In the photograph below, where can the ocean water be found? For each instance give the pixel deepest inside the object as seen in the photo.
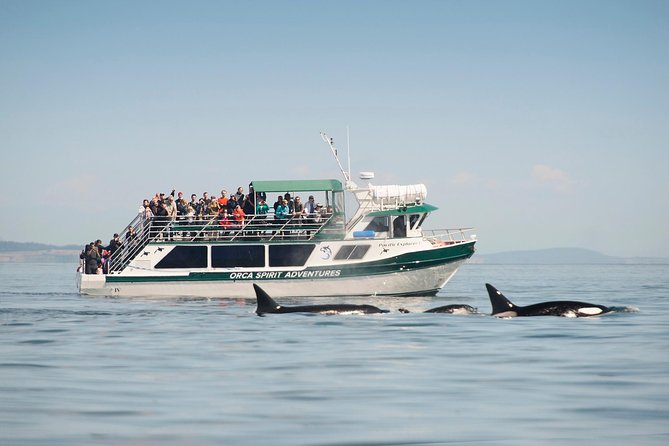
(114, 371)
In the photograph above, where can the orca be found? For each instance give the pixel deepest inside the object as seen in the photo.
(452, 309)
(503, 307)
(267, 305)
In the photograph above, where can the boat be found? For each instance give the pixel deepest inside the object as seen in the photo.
(381, 250)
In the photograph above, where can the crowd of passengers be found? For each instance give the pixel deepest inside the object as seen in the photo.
(95, 255)
(229, 212)
(232, 210)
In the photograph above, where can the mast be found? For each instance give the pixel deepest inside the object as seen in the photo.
(347, 175)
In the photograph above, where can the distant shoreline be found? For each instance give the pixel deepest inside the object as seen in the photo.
(45, 256)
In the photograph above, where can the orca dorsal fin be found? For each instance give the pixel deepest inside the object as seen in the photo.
(265, 304)
(499, 302)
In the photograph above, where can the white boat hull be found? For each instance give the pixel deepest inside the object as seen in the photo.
(423, 281)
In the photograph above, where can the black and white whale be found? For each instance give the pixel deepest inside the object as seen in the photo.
(268, 305)
(503, 307)
(452, 309)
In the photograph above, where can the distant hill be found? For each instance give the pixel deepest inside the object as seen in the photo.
(19, 246)
(560, 256)
(17, 252)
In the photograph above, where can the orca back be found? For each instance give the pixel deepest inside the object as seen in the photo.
(566, 308)
(453, 309)
(265, 304)
(503, 307)
(500, 304)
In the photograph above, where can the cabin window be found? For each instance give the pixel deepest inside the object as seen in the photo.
(378, 224)
(352, 252)
(399, 227)
(422, 219)
(184, 257)
(416, 220)
(289, 255)
(242, 256)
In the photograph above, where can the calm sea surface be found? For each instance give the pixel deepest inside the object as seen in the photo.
(113, 371)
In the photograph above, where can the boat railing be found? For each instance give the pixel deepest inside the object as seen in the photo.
(440, 237)
(133, 240)
(142, 231)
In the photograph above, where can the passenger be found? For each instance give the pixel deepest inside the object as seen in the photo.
(155, 204)
(190, 218)
(239, 195)
(130, 235)
(239, 215)
(181, 205)
(142, 209)
(325, 212)
(190, 214)
(177, 201)
(161, 211)
(223, 199)
(171, 209)
(248, 206)
(99, 268)
(290, 202)
(92, 258)
(277, 203)
(146, 216)
(82, 257)
(262, 208)
(213, 208)
(98, 245)
(318, 215)
(201, 209)
(224, 221)
(205, 197)
(298, 209)
(194, 204)
(114, 244)
(232, 204)
(310, 207)
(282, 212)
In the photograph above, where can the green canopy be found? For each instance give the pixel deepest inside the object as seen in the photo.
(297, 186)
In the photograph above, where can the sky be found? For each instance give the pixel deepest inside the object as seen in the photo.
(540, 123)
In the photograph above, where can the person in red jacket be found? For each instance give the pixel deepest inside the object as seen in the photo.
(239, 215)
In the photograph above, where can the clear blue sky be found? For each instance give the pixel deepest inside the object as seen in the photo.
(543, 124)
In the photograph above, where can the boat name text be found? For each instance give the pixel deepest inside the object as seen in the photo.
(285, 274)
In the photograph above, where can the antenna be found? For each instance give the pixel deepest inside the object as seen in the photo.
(330, 142)
(348, 152)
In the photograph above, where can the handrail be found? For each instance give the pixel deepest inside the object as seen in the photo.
(450, 236)
(188, 229)
(142, 231)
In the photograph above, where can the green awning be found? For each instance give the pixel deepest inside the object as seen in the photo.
(297, 186)
(409, 209)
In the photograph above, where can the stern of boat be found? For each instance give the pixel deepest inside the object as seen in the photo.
(90, 283)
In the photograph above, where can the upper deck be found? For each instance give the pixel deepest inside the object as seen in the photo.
(380, 215)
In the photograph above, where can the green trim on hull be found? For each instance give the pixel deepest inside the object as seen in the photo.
(398, 264)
